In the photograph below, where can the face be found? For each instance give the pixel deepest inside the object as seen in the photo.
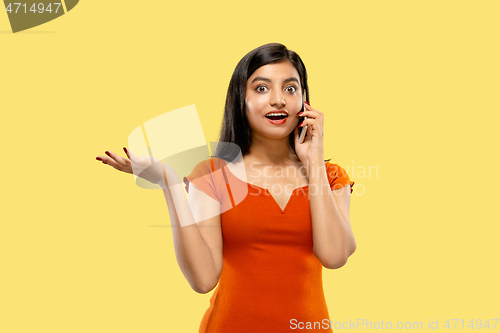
(273, 88)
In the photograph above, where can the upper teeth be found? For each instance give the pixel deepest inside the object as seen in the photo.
(276, 114)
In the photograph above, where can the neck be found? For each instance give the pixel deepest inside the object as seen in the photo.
(271, 151)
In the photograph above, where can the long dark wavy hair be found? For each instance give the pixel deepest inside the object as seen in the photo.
(235, 128)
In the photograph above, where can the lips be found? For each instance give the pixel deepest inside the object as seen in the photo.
(277, 111)
(283, 115)
(277, 122)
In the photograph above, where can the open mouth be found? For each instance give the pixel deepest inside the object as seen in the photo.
(276, 117)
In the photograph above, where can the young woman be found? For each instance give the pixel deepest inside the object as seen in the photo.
(264, 250)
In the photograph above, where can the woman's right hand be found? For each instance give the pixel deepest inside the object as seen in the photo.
(146, 167)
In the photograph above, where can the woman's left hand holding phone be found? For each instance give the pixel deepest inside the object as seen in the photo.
(312, 147)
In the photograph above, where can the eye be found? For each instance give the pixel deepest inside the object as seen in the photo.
(258, 88)
(294, 89)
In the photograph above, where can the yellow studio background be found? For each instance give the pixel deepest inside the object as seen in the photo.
(408, 88)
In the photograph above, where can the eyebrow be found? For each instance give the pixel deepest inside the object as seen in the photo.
(261, 78)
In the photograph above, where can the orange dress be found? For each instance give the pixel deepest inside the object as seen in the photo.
(271, 281)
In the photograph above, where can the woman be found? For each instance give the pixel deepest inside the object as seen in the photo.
(264, 251)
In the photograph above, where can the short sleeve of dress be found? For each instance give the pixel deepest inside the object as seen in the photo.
(203, 178)
(337, 176)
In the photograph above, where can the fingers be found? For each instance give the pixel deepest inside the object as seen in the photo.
(99, 158)
(130, 155)
(114, 160)
(314, 118)
(117, 158)
(308, 121)
(312, 126)
(312, 113)
(314, 122)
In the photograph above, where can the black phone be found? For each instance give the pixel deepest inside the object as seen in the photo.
(304, 129)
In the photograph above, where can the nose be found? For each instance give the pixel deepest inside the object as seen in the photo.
(277, 98)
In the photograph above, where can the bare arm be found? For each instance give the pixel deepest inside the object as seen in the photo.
(198, 246)
(333, 238)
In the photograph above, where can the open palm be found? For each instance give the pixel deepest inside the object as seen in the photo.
(146, 167)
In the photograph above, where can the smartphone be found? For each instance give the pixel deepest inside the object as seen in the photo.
(304, 129)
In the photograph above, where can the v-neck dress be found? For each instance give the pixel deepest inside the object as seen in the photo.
(271, 280)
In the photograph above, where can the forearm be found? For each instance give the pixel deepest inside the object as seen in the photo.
(333, 239)
(191, 250)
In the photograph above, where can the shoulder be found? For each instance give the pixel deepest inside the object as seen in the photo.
(335, 171)
(210, 167)
(338, 176)
(217, 163)
(210, 164)
(205, 177)
(202, 167)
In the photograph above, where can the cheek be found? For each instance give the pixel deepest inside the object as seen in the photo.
(250, 105)
(253, 104)
(257, 102)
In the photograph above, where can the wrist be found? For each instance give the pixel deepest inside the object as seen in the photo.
(164, 173)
